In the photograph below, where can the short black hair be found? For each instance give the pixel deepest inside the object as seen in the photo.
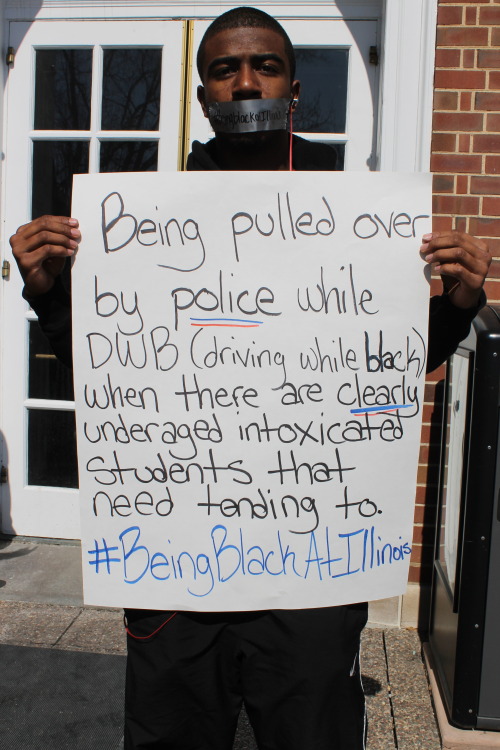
(242, 17)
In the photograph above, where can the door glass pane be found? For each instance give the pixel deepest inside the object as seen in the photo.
(52, 448)
(340, 151)
(129, 156)
(48, 378)
(54, 164)
(323, 99)
(62, 89)
(131, 89)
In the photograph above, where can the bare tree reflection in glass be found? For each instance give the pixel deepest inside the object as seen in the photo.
(322, 106)
(323, 73)
(129, 156)
(131, 89)
(63, 81)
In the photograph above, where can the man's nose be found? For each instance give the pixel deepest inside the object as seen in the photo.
(246, 84)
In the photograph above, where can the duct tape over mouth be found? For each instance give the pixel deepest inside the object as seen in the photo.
(249, 115)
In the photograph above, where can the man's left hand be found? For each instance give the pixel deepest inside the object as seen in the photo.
(463, 262)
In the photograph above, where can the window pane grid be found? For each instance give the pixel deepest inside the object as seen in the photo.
(41, 404)
(60, 135)
(96, 110)
(331, 137)
(87, 135)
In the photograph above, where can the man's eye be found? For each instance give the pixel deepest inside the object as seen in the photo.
(268, 68)
(223, 71)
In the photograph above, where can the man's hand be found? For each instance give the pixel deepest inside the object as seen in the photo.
(41, 248)
(463, 262)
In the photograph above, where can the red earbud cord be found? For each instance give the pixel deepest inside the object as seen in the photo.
(146, 637)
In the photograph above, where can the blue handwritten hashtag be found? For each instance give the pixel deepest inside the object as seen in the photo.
(102, 556)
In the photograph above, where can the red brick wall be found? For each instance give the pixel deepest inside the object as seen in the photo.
(466, 165)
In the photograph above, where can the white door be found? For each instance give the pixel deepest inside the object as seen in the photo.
(337, 66)
(76, 97)
(82, 96)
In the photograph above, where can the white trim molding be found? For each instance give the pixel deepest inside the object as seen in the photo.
(28, 10)
(408, 54)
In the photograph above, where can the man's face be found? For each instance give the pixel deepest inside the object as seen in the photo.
(245, 63)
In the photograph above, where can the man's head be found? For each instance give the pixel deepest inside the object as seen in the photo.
(245, 54)
(239, 18)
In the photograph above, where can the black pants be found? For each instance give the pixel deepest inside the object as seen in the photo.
(297, 672)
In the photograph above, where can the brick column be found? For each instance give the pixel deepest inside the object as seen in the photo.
(466, 165)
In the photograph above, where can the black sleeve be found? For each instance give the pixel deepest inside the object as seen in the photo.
(448, 326)
(54, 315)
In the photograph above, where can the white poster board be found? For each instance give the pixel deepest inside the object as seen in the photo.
(249, 358)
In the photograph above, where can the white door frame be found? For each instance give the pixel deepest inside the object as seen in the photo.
(407, 85)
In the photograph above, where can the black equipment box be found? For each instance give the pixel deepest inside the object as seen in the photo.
(465, 609)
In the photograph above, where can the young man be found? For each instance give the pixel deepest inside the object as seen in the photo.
(298, 670)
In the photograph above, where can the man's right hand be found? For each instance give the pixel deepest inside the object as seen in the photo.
(41, 248)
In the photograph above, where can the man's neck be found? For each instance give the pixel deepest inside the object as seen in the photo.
(253, 152)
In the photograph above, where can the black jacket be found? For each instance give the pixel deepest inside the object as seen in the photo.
(307, 156)
(448, 325)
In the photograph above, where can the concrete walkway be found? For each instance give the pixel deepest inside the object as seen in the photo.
(41, 607)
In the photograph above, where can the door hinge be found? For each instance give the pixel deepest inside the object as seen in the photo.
(9, 57)
(6, 270)
(373, 56)
(4, 475)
